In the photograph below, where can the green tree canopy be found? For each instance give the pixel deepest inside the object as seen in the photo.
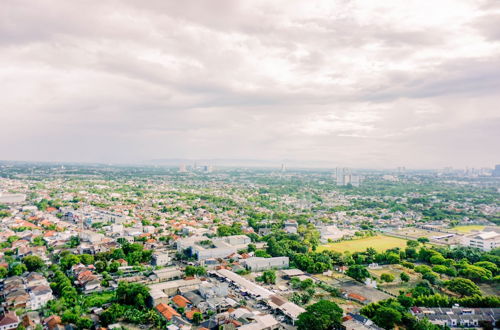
(322, 315)
(463, 286)
(358, 272)
(33, 263)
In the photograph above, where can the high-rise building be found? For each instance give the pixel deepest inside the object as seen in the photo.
(345, 177)
(182, 168)
(496, 171)
(283, 168)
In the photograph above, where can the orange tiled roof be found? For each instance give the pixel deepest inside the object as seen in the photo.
(167, 311)
(356, 296)
(180, 301)
(190, 313)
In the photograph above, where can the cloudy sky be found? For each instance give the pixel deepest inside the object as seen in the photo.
(365, 83)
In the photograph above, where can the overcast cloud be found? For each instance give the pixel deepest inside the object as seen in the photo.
(365, 83)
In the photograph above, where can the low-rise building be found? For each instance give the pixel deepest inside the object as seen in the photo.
(160, 259)
(40, 296)
(257, 264)
(222, 247)
(8, 319)
(485, 241)
(457, 316)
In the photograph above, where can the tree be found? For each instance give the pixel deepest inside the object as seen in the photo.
(113, 267)
(476, 273)
(387, 317)
(268, 277)
(133, 294)
(437, 259)
(197, 318)
(3, 272)
(262, 254)
(442, 269)
(234, 229)
(84, 323)
(17, 269)
(295, 282)
(86, 259)
(74, 241)
(358, 272)
(111, 314)
(431, 277)
(463, 287)
(393, 258)
(33, 263)
(404, 277)
(306, 284)
(423, 240)
(412, 244)
(68, 261)
(387, 277)
(251, 247)
(195, 270)
(38, 241)
(322, 315)
(100, 266)
(422, 269)
(487, 265)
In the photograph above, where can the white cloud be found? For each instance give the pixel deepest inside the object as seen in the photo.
(364, 83)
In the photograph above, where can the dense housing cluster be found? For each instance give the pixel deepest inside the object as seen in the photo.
(118, 247)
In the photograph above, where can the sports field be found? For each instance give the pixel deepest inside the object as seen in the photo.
(379, 243)
(467, 229)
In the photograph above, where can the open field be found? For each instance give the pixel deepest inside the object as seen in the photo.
(397, 285)
(379, 243)
(467, 229)
(414, 233)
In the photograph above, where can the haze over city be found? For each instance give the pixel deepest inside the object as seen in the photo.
(352, 83)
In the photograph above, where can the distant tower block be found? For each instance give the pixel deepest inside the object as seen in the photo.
(182, 168)
(283, 167)
(496, 171)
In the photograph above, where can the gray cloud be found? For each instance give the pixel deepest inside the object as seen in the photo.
(349, 82)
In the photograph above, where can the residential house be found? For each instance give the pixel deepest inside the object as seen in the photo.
(180, 301)
(8, 319)
(40, 296)
(160, 259)
(457, 316)
(166, 311)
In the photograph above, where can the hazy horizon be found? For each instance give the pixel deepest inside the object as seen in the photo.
(363, 84)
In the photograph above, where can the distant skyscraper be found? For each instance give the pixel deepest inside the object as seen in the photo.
(182, 168)
(496, 171)
(345, 177)
(283, 168)
(207, 168)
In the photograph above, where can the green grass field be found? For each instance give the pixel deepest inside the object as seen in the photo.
(467, 229)
(379, 243)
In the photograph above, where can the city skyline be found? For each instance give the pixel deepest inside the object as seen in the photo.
(346, 83)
